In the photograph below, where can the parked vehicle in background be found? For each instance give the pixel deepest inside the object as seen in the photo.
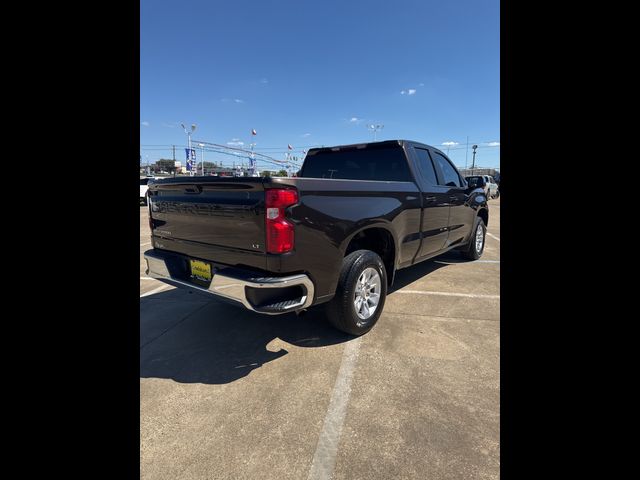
(492, 187)
(478, 181)
(333, 236)
(144, 187)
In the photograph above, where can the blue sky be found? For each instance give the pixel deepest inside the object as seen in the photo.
(316, 73)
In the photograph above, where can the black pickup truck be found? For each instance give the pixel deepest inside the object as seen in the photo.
(335, 235)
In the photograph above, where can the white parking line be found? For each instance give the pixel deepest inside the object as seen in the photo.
(493, 236)
(156, 290)
(448, 294)
(147, 278)
(324, 459)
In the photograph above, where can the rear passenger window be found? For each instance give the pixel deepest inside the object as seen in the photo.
(426, 166)
(383, 163)
(451, 177)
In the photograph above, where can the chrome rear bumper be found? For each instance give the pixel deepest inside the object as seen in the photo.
(232, 284)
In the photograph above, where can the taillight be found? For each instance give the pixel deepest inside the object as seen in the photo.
(279, 230)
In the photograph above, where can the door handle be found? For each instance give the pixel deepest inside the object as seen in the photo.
(453, 198)
(430, 199)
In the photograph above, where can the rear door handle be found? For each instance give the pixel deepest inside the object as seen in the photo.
(453, 198)
(430, 199)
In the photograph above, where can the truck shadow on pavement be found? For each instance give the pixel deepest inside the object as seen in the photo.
(190, 340)
(409, 275)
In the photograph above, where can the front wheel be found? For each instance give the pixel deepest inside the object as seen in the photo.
(360, 294)
(476, 242)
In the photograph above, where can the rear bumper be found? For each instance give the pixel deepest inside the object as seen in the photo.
(268, 295)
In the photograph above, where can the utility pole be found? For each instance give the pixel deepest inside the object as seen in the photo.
(174, 160)
(466, 155)
(252, 160)
(201, 145)
(473, 165)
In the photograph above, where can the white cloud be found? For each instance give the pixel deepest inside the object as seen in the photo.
(403, 92)
(493, 144)
(264, 80)
(144, 124)
(306, 135)
(354, 120)
(235, 142)
(237, 100)
(421, 84)
(411, 91)
(450, 144)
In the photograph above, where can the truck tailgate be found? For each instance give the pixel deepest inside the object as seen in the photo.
(210, 217)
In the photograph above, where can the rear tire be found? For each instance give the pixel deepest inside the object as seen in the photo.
(360, 270)
(475, 247)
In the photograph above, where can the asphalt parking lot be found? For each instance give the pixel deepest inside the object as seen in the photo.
(226, 393)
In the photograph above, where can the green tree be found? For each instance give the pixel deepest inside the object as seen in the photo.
(166, 165)
(282, 173)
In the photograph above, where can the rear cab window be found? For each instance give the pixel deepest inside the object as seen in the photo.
(450, 176)
(383, 163)
(425, 166)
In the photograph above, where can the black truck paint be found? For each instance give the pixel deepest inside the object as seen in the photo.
(222, 220)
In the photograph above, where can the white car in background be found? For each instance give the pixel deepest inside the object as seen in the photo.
(143, 189)
(491, 187)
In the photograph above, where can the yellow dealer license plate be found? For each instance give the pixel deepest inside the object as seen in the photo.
(200, 270)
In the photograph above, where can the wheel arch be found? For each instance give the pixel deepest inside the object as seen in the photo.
(378, 238)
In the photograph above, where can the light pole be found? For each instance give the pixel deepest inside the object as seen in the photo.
(252, 160)
(193, 129)
(201, 145)
(473, 162)
(374, 129)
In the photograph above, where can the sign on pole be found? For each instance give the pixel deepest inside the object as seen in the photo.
(191, 158)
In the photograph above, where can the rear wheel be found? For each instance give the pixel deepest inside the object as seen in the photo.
(476, 242)
(360, 294)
